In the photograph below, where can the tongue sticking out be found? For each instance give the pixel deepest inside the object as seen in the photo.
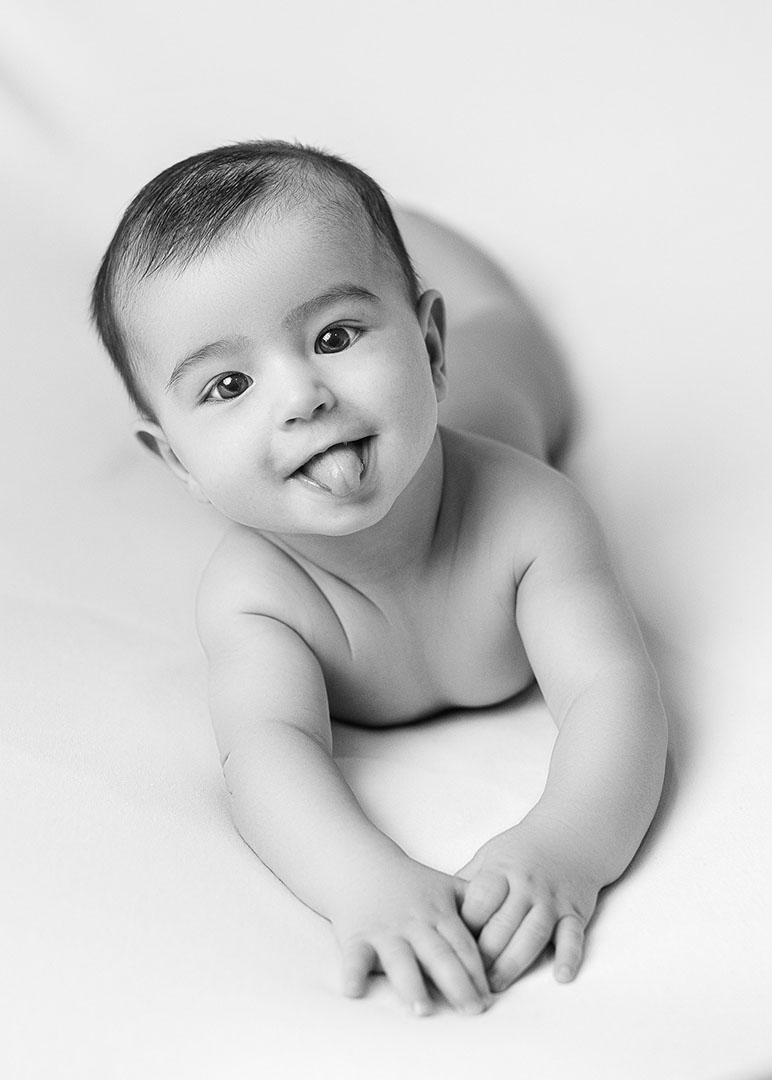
(338, 470)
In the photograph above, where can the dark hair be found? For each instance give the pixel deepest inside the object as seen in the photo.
(187, 207)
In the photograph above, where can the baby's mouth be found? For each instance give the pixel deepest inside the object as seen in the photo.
(339, 469)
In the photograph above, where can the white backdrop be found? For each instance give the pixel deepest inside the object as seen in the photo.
(616, 158)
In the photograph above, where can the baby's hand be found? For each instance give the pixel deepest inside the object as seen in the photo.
(407, 924)
(527, 887)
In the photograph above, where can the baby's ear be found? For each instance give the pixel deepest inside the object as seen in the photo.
(152, 437)
(431, 319)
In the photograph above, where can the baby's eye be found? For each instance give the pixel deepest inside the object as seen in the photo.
(335, 339)
(229, 386)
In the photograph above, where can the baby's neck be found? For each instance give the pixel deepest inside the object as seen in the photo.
(399, 547)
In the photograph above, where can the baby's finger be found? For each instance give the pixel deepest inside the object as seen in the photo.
(532, 937)
(502, 926)
(569, 947)
(484, 895)
(443, 966)
(401, 969)
(359, 960)
(464, 946)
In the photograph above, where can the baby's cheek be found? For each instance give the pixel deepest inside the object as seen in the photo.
(229, 490)
(245, 494)
(419, 414)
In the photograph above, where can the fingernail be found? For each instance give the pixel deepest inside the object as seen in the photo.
(422, 1008)
(473, 1008)
(564, 973)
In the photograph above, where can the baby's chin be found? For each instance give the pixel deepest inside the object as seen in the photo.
(343, 521)
(346, 526)
(310, 507)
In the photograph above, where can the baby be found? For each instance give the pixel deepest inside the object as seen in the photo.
(261, 307)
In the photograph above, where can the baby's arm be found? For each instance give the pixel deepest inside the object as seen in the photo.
(293, 808)
(539, 881)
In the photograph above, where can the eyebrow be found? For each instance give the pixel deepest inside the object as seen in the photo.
(345, 291)
(294, 318)
(224, 346)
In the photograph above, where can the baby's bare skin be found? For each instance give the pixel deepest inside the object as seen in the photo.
(432, 569)
(442, 634)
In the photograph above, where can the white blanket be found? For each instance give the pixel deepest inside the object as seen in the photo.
(616, 159)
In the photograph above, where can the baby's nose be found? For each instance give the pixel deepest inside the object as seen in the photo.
(303, 395)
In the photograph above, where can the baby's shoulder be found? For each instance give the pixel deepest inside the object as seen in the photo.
(504, 477)
(505, 492)
(249, 575)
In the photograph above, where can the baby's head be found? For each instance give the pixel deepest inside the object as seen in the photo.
(264, 315)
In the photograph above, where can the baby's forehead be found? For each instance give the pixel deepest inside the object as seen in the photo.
(337, 223)
(306, 229)
(272, 262)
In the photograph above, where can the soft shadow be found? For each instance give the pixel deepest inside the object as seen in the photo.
(346, 731)
(20, 95)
